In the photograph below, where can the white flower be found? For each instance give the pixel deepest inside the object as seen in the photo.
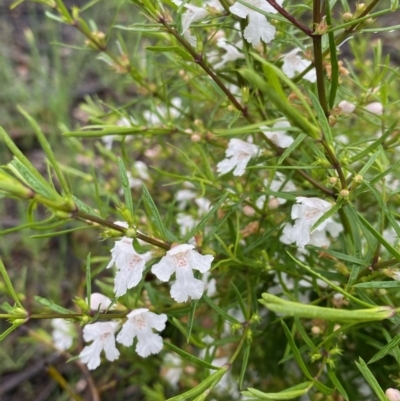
(238, 155)
(277, 185)
(142, 174)
(99, 302)
(122, 122)
(140, 324)
(306, 213)
(278, 137)
(181, 260)
(102, 335)
(293, 63)
(258, 27)
(209, 283)
(186, 223)
(194, 14)
(375, 108)
(62, 333)
(392, 394)
(232, 52)
(346, 107)
(317, 238)
(129, 264)
(158, 116)
(171, 369)
(203, 204)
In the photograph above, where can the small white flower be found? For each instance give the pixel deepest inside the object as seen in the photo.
(122, 122)
(392, 394)
(161, 113)
(277, 185)
(186, 223)
(181, 260)
(194, 14)
(238, 156)
(102, 335)
(375, 108)
(293, 63)
(258, 27)
(99, 302)
(171, 369)
(62, 333)
(306, 213)
(203, 204)
(276, 136)
(346, 107)
(129, 264)
(232, 52)
(209, 283)
(141, 172)
(140, 324)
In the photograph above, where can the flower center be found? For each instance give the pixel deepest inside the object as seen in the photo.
(139, 322)
(180, 259)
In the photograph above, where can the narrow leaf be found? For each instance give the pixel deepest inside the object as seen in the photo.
(154, 215)
(9, 286)
(126, 188)
(370, 378)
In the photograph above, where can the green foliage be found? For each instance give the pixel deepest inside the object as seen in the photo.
(298, 296)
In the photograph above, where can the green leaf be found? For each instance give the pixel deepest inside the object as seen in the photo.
(370, 378)
(88, 279)
(295, 351)
(153, 214)
(299, 139)
(189, 357)
(379, 237)
(51, 305)
(9, 286)
(241, 301)
(203, 386)
(47, 150)
(243, 369)
(337, 383)
(126, 188)
(386, 349)
(39, 185)
(322, 119)
(174, 49)
(103, 130)
(374, 145)
(192, 311)
(287, 394)
(298, 309)
(9, 330)
(378, 284)
(84, 207)
(205, 218)
(328, 214)
(219, 310)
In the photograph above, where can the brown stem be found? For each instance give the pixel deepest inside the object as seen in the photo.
(290, 17)
(198, 59)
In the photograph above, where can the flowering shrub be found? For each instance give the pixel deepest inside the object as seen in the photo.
(246, 187)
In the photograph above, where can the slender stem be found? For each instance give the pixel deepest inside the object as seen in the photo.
(363, 14)
(318, 57)
(198, 59)
(290, 17)
(240, 346)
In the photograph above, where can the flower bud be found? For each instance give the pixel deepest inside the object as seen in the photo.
(346, 107)
(392, 394)
(346, 17)
(358, 178)
(344, 193)
(375, 108)
(333, 180)
(99, 302)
